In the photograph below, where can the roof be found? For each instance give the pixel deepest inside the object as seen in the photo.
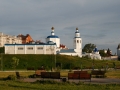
(76, 32)
(67, 51)
(118, 46)
(96, 50)
(52, 36)
(32, 44)
(23, 36)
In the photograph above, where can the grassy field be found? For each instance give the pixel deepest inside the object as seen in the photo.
(64, 73)
(52, 85)
(68, 62)
(16, 85)
(48, 61)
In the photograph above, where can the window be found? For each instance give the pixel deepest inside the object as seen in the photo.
(80, 41)
(30, 48)
(77, 41)
(40, 48)
(20, 48)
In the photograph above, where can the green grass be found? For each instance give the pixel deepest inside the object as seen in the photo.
(48, 61)
(113, 74)
(53, 85)
(16, 85)
(63, 73)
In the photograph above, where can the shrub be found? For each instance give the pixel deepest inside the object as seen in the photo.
(11, 77)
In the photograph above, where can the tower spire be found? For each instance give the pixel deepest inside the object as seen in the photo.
(52, 28)
(76, 28)
(52, 33)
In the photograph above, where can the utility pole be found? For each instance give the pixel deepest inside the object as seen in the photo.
(55, 60)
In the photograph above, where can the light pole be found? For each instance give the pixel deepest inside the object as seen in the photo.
(55, 60)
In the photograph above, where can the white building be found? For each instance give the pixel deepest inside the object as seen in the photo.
(53, 38)
(34, 48)
(118, 50)
(94, 55)
(51, 47)
(7, 39)
(77, 42)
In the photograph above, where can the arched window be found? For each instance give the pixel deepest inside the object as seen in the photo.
(77, 41)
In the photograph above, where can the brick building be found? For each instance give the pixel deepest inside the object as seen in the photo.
(25, 38)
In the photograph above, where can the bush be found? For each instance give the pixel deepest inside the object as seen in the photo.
(11, 77)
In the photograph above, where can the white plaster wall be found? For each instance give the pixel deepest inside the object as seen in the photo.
(10, 49)
(30, 51)
(55, 40)
(118, 52)
(39, 51)
(71, 54)
(20, 51)
(96, 56)
(78, 45)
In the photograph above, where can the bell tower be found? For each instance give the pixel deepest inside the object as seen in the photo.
(78, 43)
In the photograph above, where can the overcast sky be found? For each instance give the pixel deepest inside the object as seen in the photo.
(98, 21)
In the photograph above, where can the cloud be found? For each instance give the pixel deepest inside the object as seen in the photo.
(98, 21)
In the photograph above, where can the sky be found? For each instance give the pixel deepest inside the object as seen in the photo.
(98, 21)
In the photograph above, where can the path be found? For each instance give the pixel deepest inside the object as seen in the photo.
(93, 80)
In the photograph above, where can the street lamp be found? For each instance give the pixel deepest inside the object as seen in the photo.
(55, 60)
(53, 51)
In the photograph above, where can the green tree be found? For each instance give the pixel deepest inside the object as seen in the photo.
(14, 62)
(88, 48)
(2, 49)
(109, 52)
(102, 53)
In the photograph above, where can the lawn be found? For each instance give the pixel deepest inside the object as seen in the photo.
(53, 85)
(63, 73)
(16, 85)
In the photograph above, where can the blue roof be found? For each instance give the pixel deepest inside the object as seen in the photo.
(76, 32)
(95, 50)
(32, 44)
(77, 37)
(67, 51)
(52, 36)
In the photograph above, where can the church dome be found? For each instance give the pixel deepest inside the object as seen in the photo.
(96, 50)
(52, 36)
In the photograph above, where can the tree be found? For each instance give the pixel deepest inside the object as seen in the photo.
(14, 62)
(2, 49)
(109, 52)
(88, 48)
(102, 53)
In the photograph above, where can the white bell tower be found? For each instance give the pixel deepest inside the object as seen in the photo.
(78, 43)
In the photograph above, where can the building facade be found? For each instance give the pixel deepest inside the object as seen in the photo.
(77, 42)
(118, 51)
(8, 39)
(53, 38)
(25, 38)
(52, 46)
(46, 48)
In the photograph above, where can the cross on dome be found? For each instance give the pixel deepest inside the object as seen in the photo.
(52, 28)
(77, 28)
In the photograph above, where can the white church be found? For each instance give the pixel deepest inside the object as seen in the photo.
(52, 46)
(77, 42)
(118, 51)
